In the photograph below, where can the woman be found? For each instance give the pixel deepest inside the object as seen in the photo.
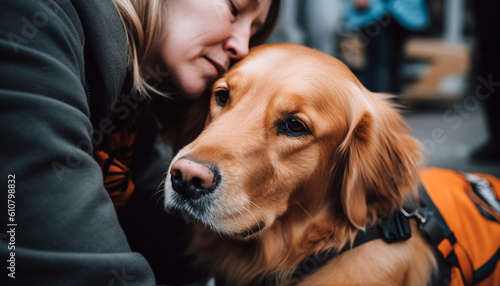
(74, 76)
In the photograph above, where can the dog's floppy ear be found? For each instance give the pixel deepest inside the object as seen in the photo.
(354, 149)
(380, 161)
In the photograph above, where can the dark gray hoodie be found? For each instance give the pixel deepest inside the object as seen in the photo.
(62, 65)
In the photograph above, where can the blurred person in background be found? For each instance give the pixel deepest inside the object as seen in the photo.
(384, 26)
(316, 24)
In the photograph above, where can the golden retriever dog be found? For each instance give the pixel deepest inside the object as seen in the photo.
(296, 160)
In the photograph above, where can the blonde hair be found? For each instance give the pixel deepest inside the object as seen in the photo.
(142, 20)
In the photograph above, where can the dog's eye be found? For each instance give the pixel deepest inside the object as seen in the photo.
(222, 97)
(293, 126)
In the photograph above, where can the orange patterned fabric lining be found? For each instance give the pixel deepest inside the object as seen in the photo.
(115, 161)
(116, 178)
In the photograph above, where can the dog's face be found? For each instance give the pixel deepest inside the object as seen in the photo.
(291, 128)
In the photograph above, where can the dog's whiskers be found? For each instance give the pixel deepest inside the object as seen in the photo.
(248, 226)
(258, 224)
(264, 211)
(304, 209)
(159, 190)
(161, 195)
(235, 219)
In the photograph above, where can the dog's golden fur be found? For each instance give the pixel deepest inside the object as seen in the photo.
(297, 194)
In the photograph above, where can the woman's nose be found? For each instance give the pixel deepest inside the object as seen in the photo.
(237, 45)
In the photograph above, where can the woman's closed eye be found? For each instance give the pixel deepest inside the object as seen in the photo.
(233, 8)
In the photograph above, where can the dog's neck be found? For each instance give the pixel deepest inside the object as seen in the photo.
(276, 253)
(280, 248)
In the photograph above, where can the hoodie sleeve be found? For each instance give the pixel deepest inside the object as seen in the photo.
(57, 223)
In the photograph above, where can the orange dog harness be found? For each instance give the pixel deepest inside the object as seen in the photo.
(466, 230)
(459, 214)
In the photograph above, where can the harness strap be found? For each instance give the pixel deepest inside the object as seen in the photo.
(392, 229)
(434, 228)
(397, 228)
(313, 262)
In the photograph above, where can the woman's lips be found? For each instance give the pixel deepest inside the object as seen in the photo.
(220, 68)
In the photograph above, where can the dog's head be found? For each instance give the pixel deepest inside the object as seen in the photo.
(291, 130)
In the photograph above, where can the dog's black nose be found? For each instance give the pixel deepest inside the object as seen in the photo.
(192, 179)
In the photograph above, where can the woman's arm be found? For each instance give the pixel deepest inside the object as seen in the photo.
(62, 228)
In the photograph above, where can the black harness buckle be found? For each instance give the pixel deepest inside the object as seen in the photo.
(395, 228)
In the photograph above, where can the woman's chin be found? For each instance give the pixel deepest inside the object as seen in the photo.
(193, 92)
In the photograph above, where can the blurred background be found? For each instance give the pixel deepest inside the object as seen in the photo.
(441, 58)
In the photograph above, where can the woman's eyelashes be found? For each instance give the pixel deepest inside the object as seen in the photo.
(234, 9)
